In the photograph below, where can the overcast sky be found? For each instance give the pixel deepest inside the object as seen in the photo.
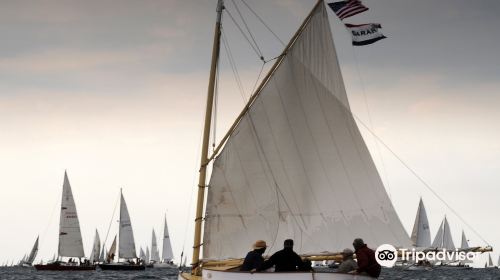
(114, 91)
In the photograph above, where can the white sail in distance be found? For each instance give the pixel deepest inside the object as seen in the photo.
(102, 256)
(167, 253)
(126, 243)
(34, 251)
(70, 236)
(443, 238)
(112, 251)
(155, 256)
(147, 254)
(96, 248)
(464, 243)
(296, 165)
(142, 255)
(421, 234)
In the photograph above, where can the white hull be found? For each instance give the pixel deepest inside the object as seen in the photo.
(227, 275)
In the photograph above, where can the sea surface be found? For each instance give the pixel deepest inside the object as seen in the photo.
(28, 274)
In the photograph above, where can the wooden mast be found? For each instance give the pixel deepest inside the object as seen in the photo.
(206, 137)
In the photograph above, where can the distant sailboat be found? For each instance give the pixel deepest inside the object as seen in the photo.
(489, 264)
(155, 255)
(167, 254)
(70, 237)
(126, 243)
(421, 234)
(28, 262)
(96, 249)
(443, 239)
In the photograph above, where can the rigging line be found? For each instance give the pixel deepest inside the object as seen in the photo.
(258, 77)
(214, 109)
(232, 63)
(111, 221)
(370, 121)
(419, 178)
(42, 239)
(248, 30)
(263, 22)
(244, 35)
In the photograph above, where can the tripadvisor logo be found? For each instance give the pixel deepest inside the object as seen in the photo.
(387, 255)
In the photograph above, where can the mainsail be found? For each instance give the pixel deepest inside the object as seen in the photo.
(96, 248)
(70, 237)
(296, 165)
(126, 244)
(147, 254)
(167, 254)
(421, 234)
(142, 255)
(443, 238)
(155, 256)
(102, 255)
(32, 255)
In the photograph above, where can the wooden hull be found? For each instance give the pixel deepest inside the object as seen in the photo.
(121, 267)
(63, 267)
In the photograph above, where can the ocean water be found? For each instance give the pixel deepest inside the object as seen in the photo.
(28, 274)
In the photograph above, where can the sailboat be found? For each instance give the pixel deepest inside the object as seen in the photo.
(420, 237)
(126, 244)
(155, 255)
(292, 165)
(489, 264)
(96, 249)
(167, 254)
(70, 237)
(28, 262)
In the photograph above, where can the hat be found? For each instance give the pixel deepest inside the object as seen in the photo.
(288, 243)
(259, 244)
(347, 252)
(358, 243)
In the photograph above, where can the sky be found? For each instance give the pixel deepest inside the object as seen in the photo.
(114, 93)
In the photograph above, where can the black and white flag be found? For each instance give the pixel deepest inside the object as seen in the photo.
(365, 34)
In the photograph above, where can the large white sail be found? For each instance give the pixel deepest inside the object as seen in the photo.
(96, 248)
(443, 238)
(155, 256)
(126, 243)
(34, 251)
(167, 254)
(296, 165)
(421, 234)
(70, 237)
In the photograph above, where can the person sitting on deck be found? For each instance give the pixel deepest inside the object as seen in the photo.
(254, 258)
(348, 263)
(286, 260)
(367, 264)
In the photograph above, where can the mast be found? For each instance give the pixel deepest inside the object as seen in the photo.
(206, 139)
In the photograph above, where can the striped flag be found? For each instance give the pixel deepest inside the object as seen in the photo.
(365, 34)
(347, 8)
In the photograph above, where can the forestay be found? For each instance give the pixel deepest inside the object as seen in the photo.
(421, 234)
(296, 165)
(126, 243)
(70, 237)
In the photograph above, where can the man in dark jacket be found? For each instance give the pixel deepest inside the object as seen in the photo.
(366, 259)
(254, 259)
(285, 260)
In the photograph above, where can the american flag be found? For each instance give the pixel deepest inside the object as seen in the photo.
(347, 8)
